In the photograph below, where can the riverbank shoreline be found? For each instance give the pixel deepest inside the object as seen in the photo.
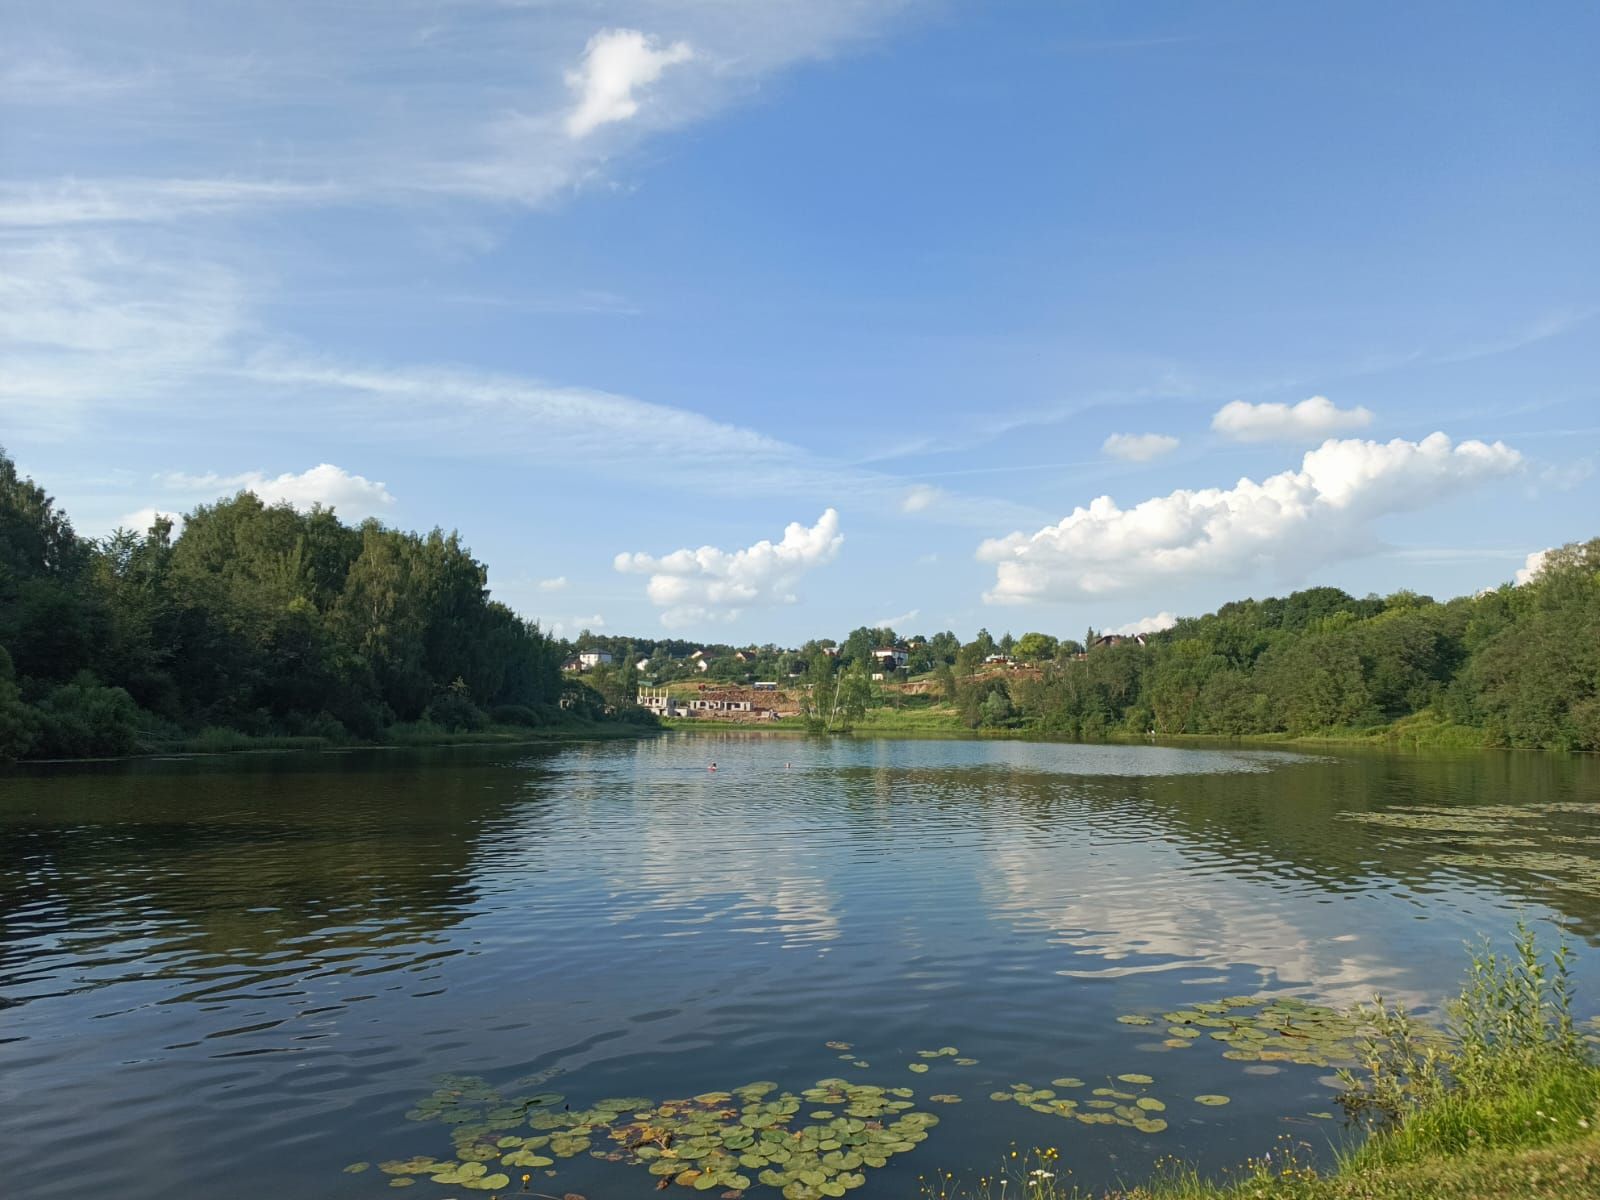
(214, 745)
(1382, 738)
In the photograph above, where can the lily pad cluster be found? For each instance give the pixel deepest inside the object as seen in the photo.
(1266, 1029)
(723, 1139)
(1103, 1106)
(949, 1052)
(816, 1144)
(1504, 837)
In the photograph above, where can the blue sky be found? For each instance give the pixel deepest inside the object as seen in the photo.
(756, 322)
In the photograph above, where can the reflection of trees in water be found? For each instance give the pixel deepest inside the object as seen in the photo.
(1285, 822)
(1290, 822)
(256, 864)
(1235, 837)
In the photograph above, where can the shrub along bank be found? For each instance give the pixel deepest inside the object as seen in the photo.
(1502, 1102)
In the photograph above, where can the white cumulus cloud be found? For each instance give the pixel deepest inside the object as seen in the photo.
(1139, 447)
(615, 63)
(553, 585)
(1155, 624)
(353, 496)
(573, 626)
(141, 521)
(1309, 420)
(1529, 570)
(1292, 521)
(708, 584)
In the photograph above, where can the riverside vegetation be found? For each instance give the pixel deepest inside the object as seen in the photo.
(1516, 666)
(260, 625)
(1501, 1100)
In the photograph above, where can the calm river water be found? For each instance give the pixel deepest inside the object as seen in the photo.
(233, 977)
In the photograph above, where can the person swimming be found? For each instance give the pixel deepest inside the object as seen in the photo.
(712, 767)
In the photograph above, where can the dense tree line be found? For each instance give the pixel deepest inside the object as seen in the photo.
(1519, 666)
(256, 618)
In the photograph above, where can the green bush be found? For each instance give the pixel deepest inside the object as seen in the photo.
(515, 714)
(455, 712)
(82, 719)
(1510, 1068)
(19, 727)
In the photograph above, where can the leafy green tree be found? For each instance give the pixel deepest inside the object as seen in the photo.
(1035, 647)
(19, 725)
(853, 694)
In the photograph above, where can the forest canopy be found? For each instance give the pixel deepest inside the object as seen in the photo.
(271, 622)
(256, 618)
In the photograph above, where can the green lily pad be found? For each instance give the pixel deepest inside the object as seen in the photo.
(356, 1168)
(1211, 1100)
(919, 1068)
(1135, 1019)
(1135, 1078)
(1067, 1082)
(1150, 1104)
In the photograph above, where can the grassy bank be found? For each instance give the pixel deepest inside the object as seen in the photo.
(1501, 1103)
(1422, 732)
(218, 740)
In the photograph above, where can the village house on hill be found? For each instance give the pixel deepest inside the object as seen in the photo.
(891, 658)
(1117, 639)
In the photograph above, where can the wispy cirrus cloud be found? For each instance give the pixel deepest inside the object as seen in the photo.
(896, 622)
(503, 103)
(53, 77)
(919, 497)
(88, 324)
(45, 205)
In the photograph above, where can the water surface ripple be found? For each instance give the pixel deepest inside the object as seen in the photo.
(239, 974)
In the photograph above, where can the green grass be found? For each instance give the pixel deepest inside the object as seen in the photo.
(1502, 1103)
(421, 733)
(922, 719)
(220, 740)
(215, 739)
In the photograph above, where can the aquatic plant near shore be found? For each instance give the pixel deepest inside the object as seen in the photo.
(1503, 1101)
(726, 1140)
